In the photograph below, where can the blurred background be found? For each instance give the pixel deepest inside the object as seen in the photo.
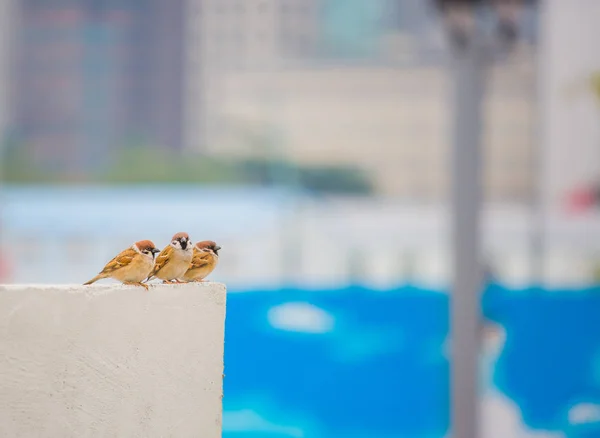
(312, 140)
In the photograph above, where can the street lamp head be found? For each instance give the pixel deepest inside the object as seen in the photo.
(508, 13)
(459, 19)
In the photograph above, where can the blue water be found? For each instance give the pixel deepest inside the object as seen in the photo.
(372, 364)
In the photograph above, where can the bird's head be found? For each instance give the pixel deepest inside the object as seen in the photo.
(181, 241)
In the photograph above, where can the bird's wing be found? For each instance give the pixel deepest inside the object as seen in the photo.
(162, 259)
(200, 259)
(121, 260)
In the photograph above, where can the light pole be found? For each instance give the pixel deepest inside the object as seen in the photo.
(473, 49)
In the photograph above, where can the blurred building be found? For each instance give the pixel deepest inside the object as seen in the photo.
(155, 73)
(227, 36)
(569, 110)
(94, 75)
(8, 21)
(392, 122)
(239, 35)
(354, 83)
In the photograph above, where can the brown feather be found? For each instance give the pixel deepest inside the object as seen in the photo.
(122, 259)
(180, 235)
(146, 245)
(95, 279)
(200, 259)
(161, 260)
(127, 266)
(203, 263)
(206, 244)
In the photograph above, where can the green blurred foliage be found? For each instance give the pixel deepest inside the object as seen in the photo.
(595, 84)
(336, 179)
(148, 165)
(127, 165)
(318, 179)
(139, 165)
(18, 166)
(596, 271)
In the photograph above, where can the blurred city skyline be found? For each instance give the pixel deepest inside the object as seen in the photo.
(99, 90)
(320, 97)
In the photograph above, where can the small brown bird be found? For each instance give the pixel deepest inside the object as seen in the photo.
(204, 261)
(174, 260)
(130, 266)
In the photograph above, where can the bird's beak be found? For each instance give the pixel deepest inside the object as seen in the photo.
(184, 244)
(217, 248)
(155, 250)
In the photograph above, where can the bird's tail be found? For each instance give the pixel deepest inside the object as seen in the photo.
(93, 280)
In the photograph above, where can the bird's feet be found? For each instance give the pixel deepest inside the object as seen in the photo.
(131, 283)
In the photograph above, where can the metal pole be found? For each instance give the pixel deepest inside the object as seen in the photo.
(469, 88)
(538, 205)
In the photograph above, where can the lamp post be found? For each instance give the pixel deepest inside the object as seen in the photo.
(473, 49)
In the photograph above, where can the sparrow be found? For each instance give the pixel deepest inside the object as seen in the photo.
(174, 260)
(204, 261)
(131, 265)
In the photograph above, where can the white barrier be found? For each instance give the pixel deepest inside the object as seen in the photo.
(111, 360)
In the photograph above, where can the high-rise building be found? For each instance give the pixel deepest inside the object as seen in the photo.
(240, 35)
(94, 75)
(391, 122)
(352, 29)
(359, 83)
(154, 71)
(569, 110)
(8, 20)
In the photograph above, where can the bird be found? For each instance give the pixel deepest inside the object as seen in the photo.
(131, 265)
(174, 260)
(204, 261)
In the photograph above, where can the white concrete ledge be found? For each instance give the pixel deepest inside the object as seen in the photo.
(111, 361)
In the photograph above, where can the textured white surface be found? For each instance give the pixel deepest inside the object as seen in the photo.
(111, 361)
